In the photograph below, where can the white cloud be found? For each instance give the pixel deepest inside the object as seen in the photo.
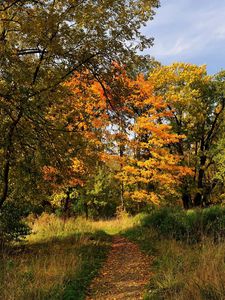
(171, 50)
(188, 30)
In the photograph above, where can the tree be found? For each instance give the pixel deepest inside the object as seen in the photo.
(42, 43)
(143, 162)
(197, 104)
(84, 112)
(151, 171)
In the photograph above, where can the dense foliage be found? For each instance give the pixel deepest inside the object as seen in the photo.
(190, 226)
(90, 127)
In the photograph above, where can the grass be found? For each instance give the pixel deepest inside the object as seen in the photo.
(59, 259)
(182, 270)
(116, 226)
(57, 262)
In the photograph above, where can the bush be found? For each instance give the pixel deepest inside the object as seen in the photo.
(168, 221)
(12, 226)
(213, 220)
(189, 225)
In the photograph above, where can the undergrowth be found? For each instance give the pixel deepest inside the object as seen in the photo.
(60, 257)
(188, 260)
(58, 261)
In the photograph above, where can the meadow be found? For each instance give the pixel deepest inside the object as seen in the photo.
(61, 257)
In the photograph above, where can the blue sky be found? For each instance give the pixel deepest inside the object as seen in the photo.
(190, 31)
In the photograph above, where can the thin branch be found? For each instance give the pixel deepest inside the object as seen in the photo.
(213, 127)
(29, 51)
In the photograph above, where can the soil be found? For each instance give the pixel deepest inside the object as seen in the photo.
(124, 275)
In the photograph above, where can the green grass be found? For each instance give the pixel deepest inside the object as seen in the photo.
(181, 270)
(58, 261)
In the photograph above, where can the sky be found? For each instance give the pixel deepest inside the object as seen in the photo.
(191, 31)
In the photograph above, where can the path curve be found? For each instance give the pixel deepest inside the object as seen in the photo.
(124, 274)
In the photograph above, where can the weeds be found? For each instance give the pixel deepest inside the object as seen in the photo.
(58, 261)
(181, 270)
(60, 257)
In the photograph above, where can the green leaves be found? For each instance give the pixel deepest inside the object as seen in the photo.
(42, 43)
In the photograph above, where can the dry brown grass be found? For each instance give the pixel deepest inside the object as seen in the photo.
(114, 226)
(38, 272)
(207, 280)
(184, 272)
(51, 255)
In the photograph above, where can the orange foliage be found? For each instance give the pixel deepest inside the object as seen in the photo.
(151, 170)
(138, 134)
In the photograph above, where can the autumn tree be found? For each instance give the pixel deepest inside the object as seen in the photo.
(83, 116)
(196, 101)
(144, 164)
(151, 172)
(42, 43)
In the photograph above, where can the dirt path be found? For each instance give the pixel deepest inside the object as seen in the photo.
(124, 274)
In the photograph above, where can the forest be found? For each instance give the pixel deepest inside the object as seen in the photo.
(101, 148)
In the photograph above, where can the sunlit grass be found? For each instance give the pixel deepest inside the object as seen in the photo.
(49, 227)
(182, 271)
(60, 257)
(117, 225)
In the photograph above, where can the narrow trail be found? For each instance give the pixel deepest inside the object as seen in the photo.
(124, 274)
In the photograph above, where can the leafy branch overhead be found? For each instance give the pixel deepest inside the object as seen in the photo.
(41, 44)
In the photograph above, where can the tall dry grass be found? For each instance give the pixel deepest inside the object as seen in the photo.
(182, 271)
(53, 255)
(34, 274)
(60, 252)
(119, 224)
(48, 259)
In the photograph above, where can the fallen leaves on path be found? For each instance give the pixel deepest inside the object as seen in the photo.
(124, 274)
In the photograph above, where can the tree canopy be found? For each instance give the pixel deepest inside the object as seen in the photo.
(90, 126)
(42, 43)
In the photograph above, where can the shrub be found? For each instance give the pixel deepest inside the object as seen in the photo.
(189, 225)
(213, 220)
(168, 221)
(12, 226)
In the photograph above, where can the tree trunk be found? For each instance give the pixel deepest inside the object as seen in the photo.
(86, 210)
(121, 152)
(198, 199)
(7, 159)
(66, 205)
(186, 198)
(121, 197)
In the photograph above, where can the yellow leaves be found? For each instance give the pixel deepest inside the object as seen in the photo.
(142, 196)
(145, 124)
(180, 82)
(135, 144)
(218, 109)
(77, 165)
(131, 170)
